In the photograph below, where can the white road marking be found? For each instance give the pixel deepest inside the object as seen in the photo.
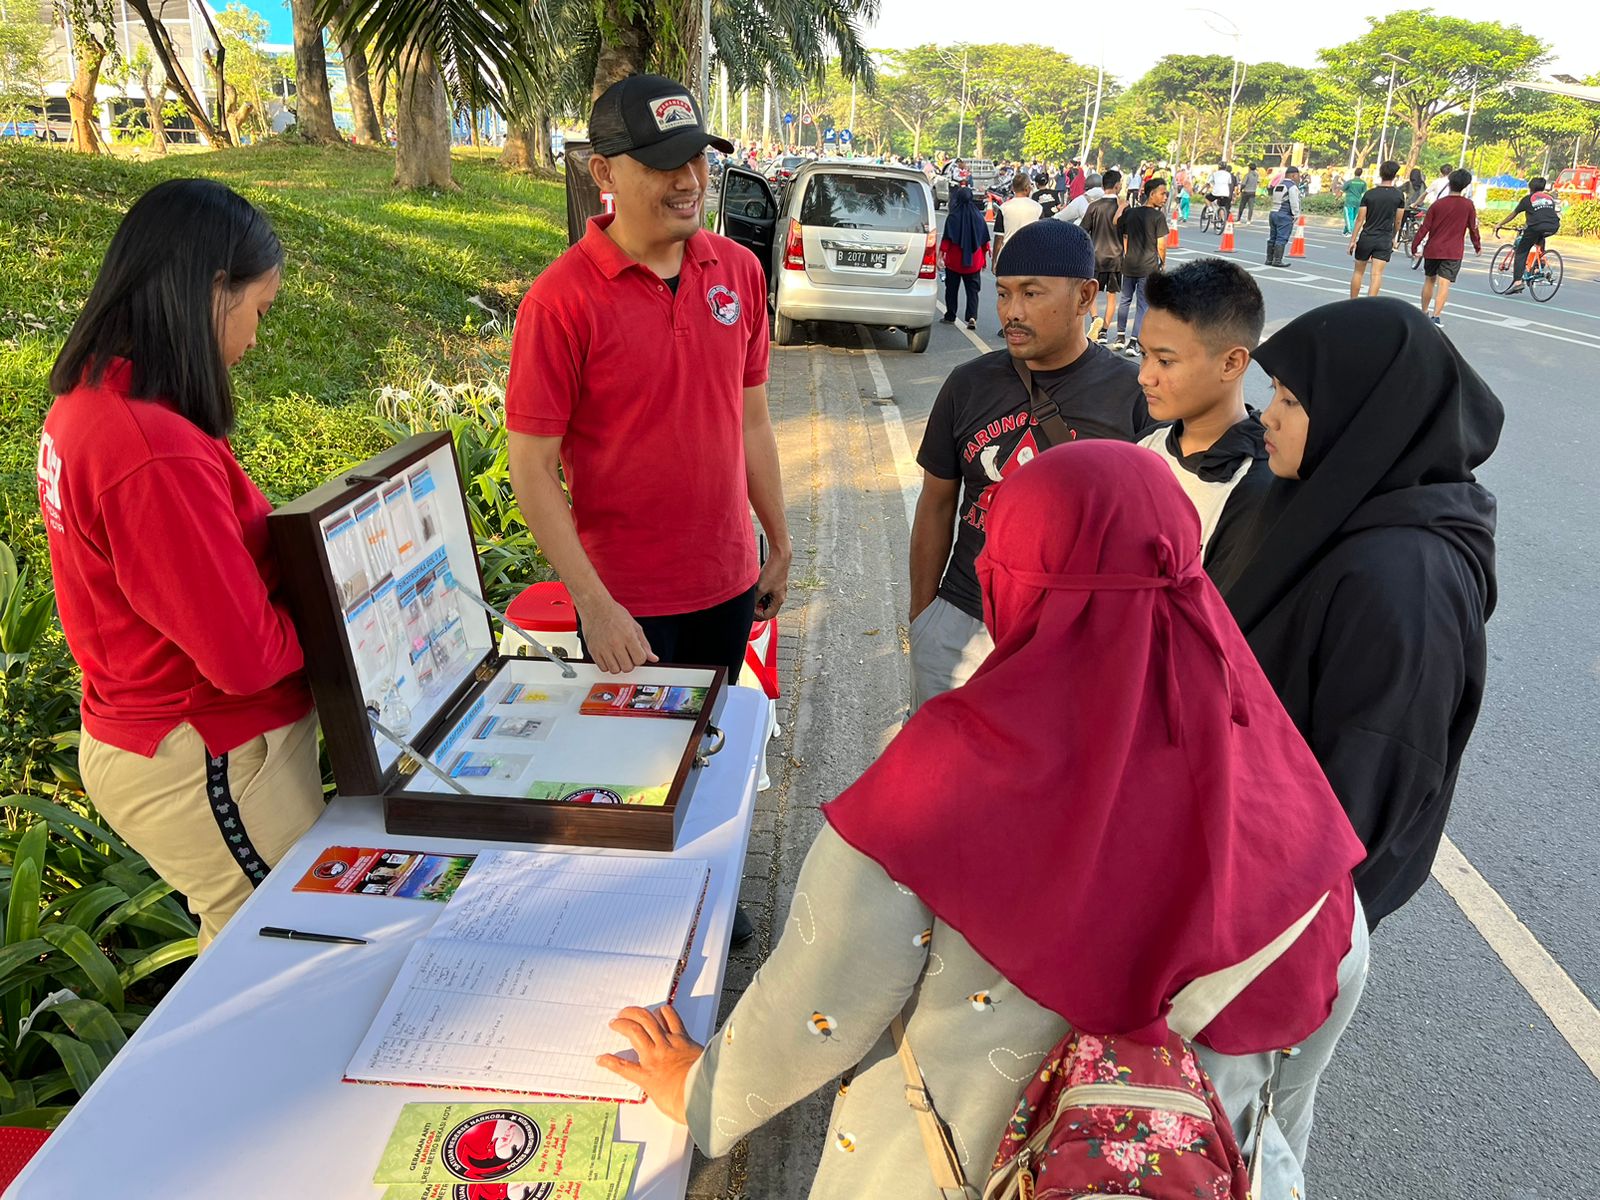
(1569, 1009)
(983, 347)
(906, 471)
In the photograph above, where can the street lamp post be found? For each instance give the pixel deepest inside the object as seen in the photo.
(1236, 82)
(1355, 138)
(1467, 134)
(1388, 103)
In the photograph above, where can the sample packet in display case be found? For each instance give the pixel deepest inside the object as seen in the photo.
(407, 874)
(643, 700)
(498, 1143)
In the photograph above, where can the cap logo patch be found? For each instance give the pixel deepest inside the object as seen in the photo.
(724, 304)
(672, 112)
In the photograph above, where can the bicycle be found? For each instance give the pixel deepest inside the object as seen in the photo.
(1211, 216)
(1541, 275)
(1409, 226)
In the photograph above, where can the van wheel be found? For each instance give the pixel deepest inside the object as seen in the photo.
(919, 338)
(784, 331)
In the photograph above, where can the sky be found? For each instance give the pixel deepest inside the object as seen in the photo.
(1287, 31)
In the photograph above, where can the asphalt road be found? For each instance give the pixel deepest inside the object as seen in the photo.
(1452, 1082)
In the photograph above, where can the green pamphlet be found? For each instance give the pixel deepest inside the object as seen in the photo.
(615, 1186)
(499, 1143)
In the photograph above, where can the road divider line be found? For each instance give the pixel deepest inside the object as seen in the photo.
(1551, 988)
(908, 476)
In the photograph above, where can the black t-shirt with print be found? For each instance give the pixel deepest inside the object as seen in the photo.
(1381, 203)
(1144, 227)
(981, 429)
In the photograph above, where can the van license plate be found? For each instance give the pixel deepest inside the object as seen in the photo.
(875, 260)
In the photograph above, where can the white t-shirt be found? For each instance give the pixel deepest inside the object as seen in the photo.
(1209, 499)
(1221, 183)
(1074, 211)
(1017, 212)
(1439, 187)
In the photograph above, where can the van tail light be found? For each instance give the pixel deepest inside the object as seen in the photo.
(794, 248)
(930, 262)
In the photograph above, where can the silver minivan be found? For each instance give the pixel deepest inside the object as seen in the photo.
(847, 241)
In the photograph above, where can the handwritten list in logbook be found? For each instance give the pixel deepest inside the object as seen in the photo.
(515, 985)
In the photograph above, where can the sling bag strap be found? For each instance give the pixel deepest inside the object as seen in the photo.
(936, 1142)
(1046, 412)
(1193, 1008)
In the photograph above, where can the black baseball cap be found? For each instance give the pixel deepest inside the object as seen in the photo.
(653, 119)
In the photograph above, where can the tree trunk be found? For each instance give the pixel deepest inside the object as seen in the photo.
(627, 51)
(977, 133)
(518, 152)
(359, 81)
(177, 78)
(313, 109)
(422, 124)
(542, 157)
(81, 101)
(473, 135)
(380, 102)
(153, 101)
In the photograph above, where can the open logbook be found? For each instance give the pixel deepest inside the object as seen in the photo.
(515, 985)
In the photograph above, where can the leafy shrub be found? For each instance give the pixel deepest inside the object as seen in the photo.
(1323, 204)
(472, 411)
(1582, 219)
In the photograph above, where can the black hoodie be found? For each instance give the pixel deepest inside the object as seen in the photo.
(1363, 587)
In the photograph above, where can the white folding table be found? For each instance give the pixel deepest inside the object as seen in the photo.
(233, 1085)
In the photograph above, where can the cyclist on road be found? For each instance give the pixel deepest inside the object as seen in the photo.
(1221, 193)
(1542, 217)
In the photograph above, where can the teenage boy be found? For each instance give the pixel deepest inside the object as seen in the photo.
(1439, 188)
(1377, 227)
(1144, 252)
(1205, 318)
(1100, 223)
(1542, 217)
(1450, 220)
(985, 424)
(1222, 191)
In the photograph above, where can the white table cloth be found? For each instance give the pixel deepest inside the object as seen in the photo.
(232, 1087)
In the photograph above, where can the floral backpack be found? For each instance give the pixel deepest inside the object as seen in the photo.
(1110, 1116)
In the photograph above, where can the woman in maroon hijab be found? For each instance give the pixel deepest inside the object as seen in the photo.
(1115, 805)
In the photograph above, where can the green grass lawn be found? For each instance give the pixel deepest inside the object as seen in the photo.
(377, 291)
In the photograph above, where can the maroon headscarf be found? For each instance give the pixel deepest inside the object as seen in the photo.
(1116, 803)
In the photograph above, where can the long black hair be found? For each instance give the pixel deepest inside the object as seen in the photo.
(153, 302)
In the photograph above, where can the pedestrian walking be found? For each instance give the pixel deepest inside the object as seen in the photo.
(1369, 574)
(1247, 194)
(1100, 223)
(1354, 188)
(1205, 318)
(986, 423)
(1378, 219)
(1450, 220)
(676, 582)
(1183, 205)
(964, 249)
(1283, 212)
(1075, 209)
(199, 743)
(1077, 182)
(1144, 252)
(1092, 568)
(1021, 210)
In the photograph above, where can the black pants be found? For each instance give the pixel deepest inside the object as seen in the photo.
(1247, 206)
(712, 637)
(954, 281)
(1519, 256)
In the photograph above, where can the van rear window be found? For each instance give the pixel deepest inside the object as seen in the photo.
(841, 201)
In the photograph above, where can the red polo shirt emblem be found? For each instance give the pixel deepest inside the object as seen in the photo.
(724, 304)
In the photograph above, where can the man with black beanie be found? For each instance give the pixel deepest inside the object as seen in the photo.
(1050, 385)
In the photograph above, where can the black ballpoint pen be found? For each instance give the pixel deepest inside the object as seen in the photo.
(296, 935)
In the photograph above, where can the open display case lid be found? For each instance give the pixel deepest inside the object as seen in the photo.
(375, 564)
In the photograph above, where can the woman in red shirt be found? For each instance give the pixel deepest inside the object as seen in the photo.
(964, 248)
(199, 740)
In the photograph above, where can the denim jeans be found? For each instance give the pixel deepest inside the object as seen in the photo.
(1132, 293)
(1280, 227)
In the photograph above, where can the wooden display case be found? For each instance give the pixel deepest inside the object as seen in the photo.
(381, 576)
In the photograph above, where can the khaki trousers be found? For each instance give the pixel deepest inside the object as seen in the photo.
(211, 826)
(947, 646)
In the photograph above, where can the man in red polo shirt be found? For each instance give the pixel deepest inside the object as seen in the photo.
(639, 369)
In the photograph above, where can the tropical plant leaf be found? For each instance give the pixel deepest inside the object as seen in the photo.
(18, 953)
(59, 813)
(99, 970)
(37, 1118)
(90, 904)
(145, 900)
(27, 869)
(164, 956)
(82, 1064)
(94, 1025)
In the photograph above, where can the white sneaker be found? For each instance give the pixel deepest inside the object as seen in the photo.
(1133, 349)
(1097, 329)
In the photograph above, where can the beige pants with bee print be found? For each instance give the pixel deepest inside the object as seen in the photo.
(212, 827)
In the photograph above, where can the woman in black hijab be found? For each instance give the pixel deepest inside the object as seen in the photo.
(965, 249)
(1365, 582)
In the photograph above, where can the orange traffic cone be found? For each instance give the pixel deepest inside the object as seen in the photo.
(1297, 247)
(1226, 245)
(1172, 229)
